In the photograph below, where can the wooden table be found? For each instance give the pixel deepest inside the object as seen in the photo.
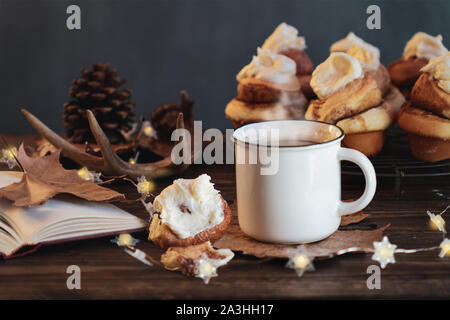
(108, 272)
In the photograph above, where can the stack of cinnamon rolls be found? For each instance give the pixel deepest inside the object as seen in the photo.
(351, 89)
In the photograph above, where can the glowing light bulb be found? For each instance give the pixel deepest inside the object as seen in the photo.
(148, 130)
(87, 175)
(144, 186)
(437, 222)
(300, 260)
(134, 159)
(205, 269)
(384, 252)
(84, 174)
(9, 156)
(12, 152)
(125, 239)
(445, 248)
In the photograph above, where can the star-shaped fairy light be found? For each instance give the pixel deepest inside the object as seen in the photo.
(134, 159)
(87, 175)
(126, 240)
(148, 130)
(205, 268)
(9, 155)
(384, 252)
(300, 260)
(144, 186)
(436, 220)
(445, 248)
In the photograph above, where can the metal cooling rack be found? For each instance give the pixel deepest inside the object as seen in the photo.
(396, 160)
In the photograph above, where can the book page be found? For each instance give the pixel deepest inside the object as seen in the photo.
(62, 216)
(9, 177)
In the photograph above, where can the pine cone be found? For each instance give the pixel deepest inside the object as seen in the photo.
(98, 90)
(164, 118)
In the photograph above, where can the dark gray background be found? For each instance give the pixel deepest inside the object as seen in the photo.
(163, 46)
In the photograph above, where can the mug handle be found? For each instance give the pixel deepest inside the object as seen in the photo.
(366, 166)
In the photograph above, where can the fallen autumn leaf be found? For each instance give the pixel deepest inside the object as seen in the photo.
(234, 239)
(44, 178)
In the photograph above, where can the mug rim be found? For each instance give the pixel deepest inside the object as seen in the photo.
(315, 145)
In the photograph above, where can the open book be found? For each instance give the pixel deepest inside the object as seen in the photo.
(58, 220)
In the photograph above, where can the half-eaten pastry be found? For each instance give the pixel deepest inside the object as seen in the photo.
(418, 51)
(189, 212)
(200, 260)
(285, 40)
(426, 118)
(268, 89)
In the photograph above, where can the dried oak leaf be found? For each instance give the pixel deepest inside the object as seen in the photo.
(44, 177)
(353, 218)
(234, 239)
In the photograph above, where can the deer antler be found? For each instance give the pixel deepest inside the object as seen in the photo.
(68, 149)
(110, 164)
(158, 169)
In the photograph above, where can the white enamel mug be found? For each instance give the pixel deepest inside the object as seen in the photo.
(299, 201)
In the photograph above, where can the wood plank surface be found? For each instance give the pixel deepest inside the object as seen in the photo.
(109, 273)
